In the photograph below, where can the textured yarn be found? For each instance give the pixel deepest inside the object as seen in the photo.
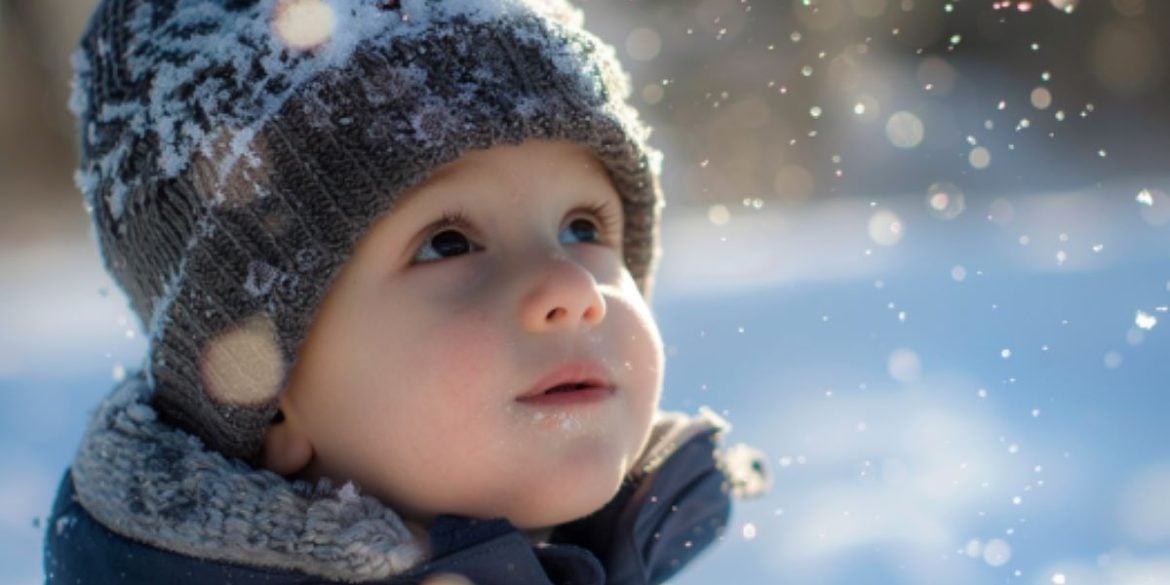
(233, 152)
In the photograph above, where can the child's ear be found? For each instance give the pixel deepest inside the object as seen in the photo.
(286, 449)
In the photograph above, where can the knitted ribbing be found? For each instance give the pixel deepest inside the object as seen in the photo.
(230, 171)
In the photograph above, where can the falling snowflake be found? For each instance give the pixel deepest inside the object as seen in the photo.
(1145, 320)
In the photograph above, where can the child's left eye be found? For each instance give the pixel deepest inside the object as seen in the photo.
(582, 230)
(445, 244)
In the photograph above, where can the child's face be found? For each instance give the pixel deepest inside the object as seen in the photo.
(415, 376)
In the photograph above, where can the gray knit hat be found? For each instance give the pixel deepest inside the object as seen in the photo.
(233, 152)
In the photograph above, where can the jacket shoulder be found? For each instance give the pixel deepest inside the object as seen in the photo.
(675, 502)
(79, 549)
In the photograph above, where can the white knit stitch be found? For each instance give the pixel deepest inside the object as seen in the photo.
(180, 91)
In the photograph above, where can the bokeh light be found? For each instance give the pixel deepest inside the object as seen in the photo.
(885, 227)
(905, 366)
(1002, 211)
(945, 200)
(243, 365)
(938, 75)
(653, 93)
(643, 44)
(905, 130)
(979, 158)
(1113, 359)
(1041, 98)
(448, 579)
(997, 552)
(303, 24)
(867, 108)
(1154, 206)
(718, 214)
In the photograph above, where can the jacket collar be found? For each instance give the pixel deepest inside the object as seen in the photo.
(156, 484)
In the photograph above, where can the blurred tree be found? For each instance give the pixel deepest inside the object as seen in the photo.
(37, 144)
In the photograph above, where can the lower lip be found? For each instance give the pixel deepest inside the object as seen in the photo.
(583, 396)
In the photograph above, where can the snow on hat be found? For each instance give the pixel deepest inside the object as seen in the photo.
(233, 152)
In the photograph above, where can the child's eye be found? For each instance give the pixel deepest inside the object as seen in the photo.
(599, 226)
(582, 230)
(445, 244)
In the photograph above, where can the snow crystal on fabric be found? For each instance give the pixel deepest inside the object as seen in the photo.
(158, 317)
(132, 468)
(261, 276)
(348, 493)
(179, 102)
(309, 259)
(211, 67)
(747, 467)
(65, 523)
(392, 83)
(433, 123)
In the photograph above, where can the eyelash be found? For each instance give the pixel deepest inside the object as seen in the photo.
(452, 218)
(604, 212)
(606, 215)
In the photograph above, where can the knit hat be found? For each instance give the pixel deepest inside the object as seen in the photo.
(233, 152)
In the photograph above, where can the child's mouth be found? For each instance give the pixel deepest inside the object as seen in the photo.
(566, 388)
(568, 394)
(572, 383)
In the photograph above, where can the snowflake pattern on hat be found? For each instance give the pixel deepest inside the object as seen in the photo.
(172, 78)
(233, 152)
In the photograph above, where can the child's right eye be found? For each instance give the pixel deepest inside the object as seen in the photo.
(444, 244)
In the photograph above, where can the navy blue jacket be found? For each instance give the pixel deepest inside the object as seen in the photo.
(653, 527)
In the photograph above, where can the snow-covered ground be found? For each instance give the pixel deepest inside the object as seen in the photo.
(981, 402)
(977, 399)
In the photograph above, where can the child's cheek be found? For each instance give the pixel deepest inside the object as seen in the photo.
(441, 303)
(463, 353)
(450, 283)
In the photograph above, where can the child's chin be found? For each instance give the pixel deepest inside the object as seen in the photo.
(575, 485)
(561, 504)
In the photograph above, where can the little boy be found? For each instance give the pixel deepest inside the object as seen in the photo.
(393, 258)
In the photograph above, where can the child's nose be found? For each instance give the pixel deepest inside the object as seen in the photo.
(565, 296)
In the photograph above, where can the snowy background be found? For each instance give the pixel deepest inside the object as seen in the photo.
(918, 252)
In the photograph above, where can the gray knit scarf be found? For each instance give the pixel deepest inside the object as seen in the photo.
(156, 484)
(153, 483)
